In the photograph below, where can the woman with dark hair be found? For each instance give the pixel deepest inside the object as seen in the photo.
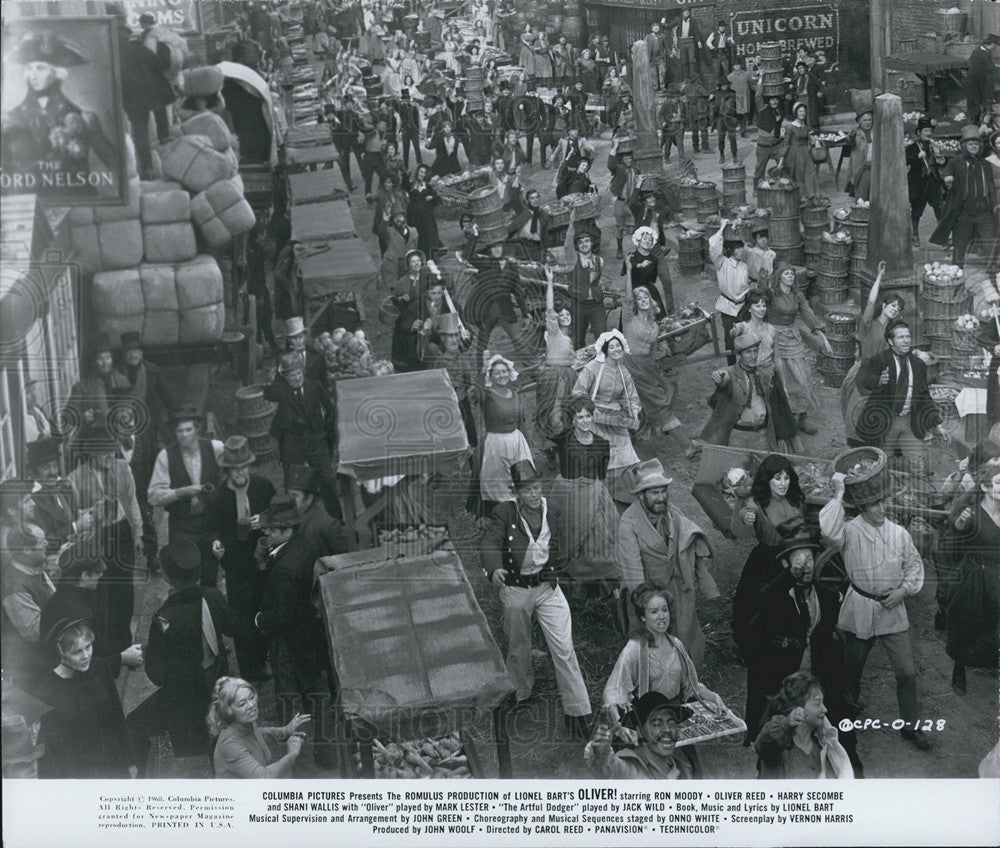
(776, 503)
(973, 614)
(647, 265)
(656, 392)
(608, 383)
(797, 741)
(420, 211)
(504, 444)
(796, 155)
(654, 659)
(870, 335)
(753, 313)
(84, 733)
(588, 510)
(791, 357)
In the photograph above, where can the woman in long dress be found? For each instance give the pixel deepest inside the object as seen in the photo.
(607, 382)
(527, 57)
(875, 317)
(589, 513)
(791, 361)
(555, 383)
(504, 444)
(543, 60)
(795, 153)
(656, 392)
(973, 615)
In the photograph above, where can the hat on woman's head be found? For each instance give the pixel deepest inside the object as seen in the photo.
(493, 360)
(970, 133)
(640, 232)
(420, 253)
(606, 337)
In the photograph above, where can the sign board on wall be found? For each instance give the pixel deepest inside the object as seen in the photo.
(181, 15)
(663, 6)
(816, 28)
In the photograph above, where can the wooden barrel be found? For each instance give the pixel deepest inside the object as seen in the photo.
(865, 485)
(793, 255)
(784, 232)
(835, 266)
(783, 202)
(959, 304)
(840, 249)
(688, 197)
(815, 216)
(771, 65)
(483, 201)
(858, 266)
(840, 325)
(773, 77)
(706, 191)
(834, 367)
(811, 245)
(842, 345)
(774, 90)
(939, 345)
(946, 293)
(474, 73)
(770, 50)
(908, 45)
(690, 256)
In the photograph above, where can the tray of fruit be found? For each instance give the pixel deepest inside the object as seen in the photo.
(682, 321)
(421, 759)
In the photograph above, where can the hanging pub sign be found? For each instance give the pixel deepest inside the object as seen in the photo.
(62, 135)
(816, 28)
(183, 16)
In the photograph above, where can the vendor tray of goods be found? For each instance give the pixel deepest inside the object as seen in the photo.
(947, 146)
(832, 137)
(433, 759)
(942, 275)
(350, 355)
(678, 322)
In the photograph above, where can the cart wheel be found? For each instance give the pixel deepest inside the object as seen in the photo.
(830, 571)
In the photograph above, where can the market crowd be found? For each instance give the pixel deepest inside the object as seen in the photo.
(103, 497)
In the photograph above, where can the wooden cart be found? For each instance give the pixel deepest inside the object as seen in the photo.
(401, 426)
(331, 276)
(413, 653)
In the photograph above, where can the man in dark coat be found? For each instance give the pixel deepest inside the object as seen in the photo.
(980, 84)
(409, 126)
(624, 188)
(968, 214)
(89, 399)
(56, 510)
(491, 302)
(899, 412)
(290, 620)
(523, 556)
(185, 657)
(420, 211)
(324, 534)
(923, 178)
(145, 89)
(788, 614)
(304, 423)
(239, 497)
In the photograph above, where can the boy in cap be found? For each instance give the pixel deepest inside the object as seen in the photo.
(184, 657)
(860, 172)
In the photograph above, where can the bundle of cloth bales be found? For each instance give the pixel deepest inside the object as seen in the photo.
(168, 305)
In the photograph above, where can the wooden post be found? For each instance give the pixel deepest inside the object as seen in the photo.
(878, 38)
(889, 229)
(644, 106)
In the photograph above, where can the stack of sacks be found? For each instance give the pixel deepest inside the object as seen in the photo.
(167, 231)
(194, 162)
(167, 304)
(108, 237)
(221, 212)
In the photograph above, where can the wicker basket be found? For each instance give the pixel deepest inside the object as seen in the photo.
(250, 401)
(840, 325)
(938, 327)
(558, 214)
(834, 368)
(943, 395)
(859, 214)
(585, 206)
(951, 23)
(948, 309)
(833, 266)
(840, 249)
(963, 341)
(867, 486)
(815, 216)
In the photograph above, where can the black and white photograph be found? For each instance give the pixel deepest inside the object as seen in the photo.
(567, 399)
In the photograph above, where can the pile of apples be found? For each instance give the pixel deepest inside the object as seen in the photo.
(942, 275)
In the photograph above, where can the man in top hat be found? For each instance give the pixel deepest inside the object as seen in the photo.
(657, 757)
(859, 174)
(89, 399)
(981, 81)
(656, 45)
(791, 624)
(20, 752)
(290, 620)
(966, 215)
(769, 121)
(104, 485)
(56, 503)
(747, 408)
(898, 412)
(658, 544)
(240, 496)
(759, 257)
(46, 127)
(297, 341)
(624, 187)
(185, 657)
(523, 555)
(323, 533)
(409, 126)
(923, 178)
(884, 568)
(305, 422)
(181, 475)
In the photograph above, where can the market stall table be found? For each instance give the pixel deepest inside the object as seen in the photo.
(329, 271)
(413, 652)
(317, 186)
(322, 221)
(927, 66)
(401, 425)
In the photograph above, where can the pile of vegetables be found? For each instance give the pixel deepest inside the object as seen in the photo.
(781, 182)
(674, 321)
(814, 481)
(942, 274)
(862, 204)
(967, 323)
(433, 759)
(350, 355)
(837, 237)
(412, 534)
(860, 469)
(912, 117)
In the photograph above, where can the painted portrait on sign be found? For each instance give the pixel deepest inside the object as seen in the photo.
(61, 132)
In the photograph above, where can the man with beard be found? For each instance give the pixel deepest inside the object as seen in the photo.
(397, 241)
(230, 509)
(324, 534)
(89, 399)
(659, 545)
(56, 510)
(792, 626)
